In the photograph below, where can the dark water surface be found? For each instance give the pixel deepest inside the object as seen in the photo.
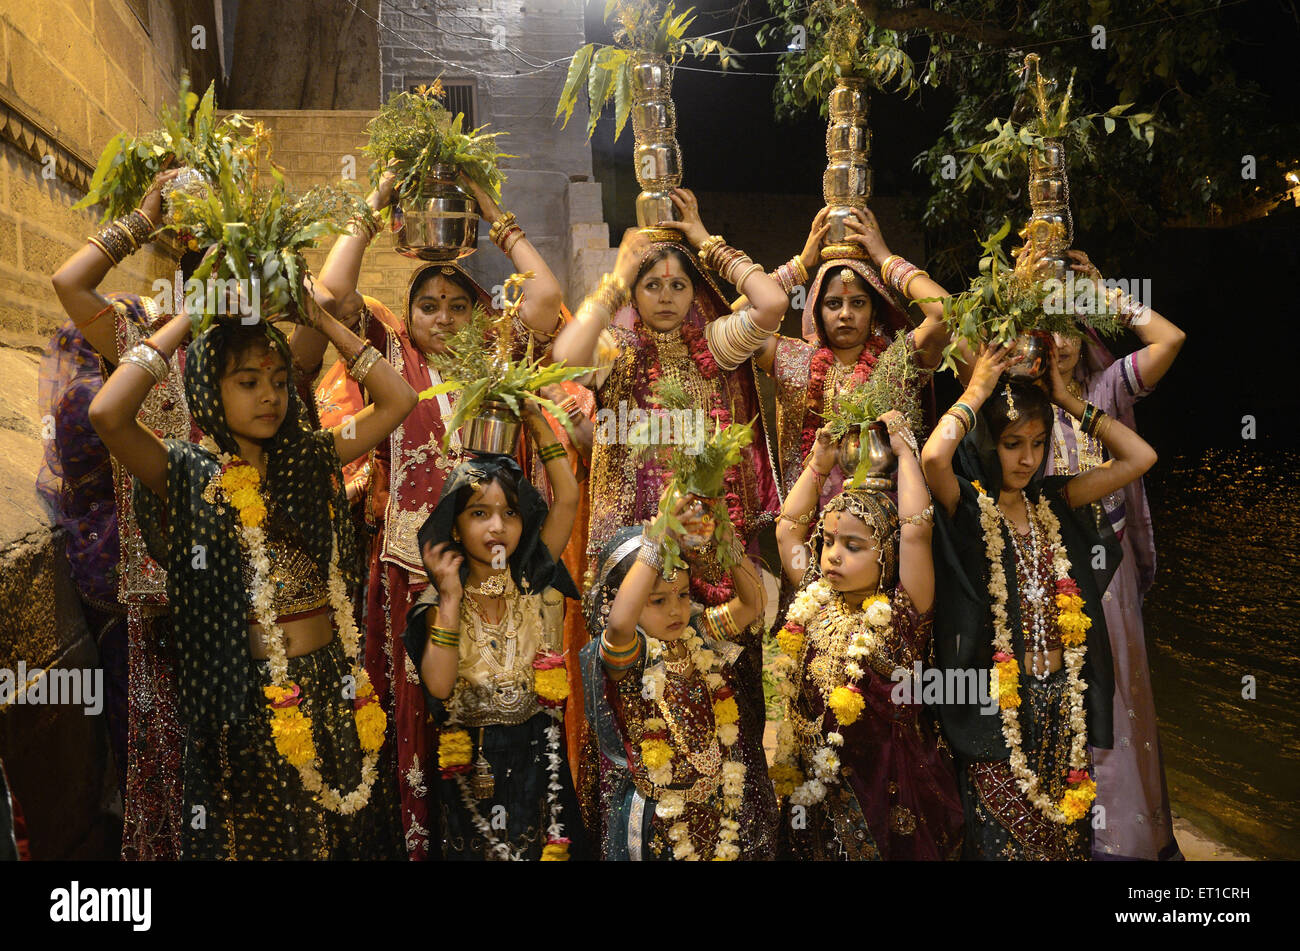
(1226, 606)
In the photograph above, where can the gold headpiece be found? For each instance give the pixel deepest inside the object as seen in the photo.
(1013, 414)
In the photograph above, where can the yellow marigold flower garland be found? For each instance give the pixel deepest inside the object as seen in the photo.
(239, 484)
(846, 703)
(809, 610)
(1081, 791)
(455, 750)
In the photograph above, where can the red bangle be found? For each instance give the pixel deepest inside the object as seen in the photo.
(156, 349)
(98, 314)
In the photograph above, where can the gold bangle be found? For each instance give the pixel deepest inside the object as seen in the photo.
(364, 363)
(740, 283)
(612, 293)
(707, 246)
(925, 515)
(911, 277)
(501, 224)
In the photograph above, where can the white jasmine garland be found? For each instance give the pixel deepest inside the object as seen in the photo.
(670, 806)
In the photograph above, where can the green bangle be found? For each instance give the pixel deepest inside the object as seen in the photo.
(553, 451)
(970, 414)
(443, 637)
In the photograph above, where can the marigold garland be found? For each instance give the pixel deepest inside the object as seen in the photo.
(240, 484)
(455, 752)
(844, 702)
(1081, 790)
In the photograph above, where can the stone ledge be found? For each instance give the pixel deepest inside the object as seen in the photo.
(32, 138)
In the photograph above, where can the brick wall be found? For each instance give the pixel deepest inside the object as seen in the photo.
(500, 44)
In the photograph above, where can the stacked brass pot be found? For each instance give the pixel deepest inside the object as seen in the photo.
(847, 182)
(657, 155)
(1050, 226)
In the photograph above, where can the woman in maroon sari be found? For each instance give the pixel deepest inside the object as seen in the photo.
(407, 470)
(856, 751)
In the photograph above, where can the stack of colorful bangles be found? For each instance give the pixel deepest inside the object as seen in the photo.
(899, 273)
(733, 265)
(964, 415)
(124, 236)
(1094, 421)
(502, 229)
(790, 275)
(361, 365)
(619, 658)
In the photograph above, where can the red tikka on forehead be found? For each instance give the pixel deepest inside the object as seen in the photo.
(266, 363)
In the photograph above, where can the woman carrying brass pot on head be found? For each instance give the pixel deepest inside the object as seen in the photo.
(1130, 776)
(408, 469)
(660, 314)
(850, 315)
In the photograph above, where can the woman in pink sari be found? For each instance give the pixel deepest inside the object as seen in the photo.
(660, 314)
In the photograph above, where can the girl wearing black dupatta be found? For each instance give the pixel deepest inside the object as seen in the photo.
(485, 636)
(252, 526)
(1020, 567)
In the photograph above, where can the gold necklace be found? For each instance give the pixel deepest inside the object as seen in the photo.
(493, 587)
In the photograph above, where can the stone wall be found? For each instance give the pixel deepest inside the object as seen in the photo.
(73, 73)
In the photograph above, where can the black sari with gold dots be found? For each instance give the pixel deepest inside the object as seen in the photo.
(241, 798)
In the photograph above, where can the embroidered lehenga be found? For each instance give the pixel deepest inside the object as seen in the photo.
(624, 807)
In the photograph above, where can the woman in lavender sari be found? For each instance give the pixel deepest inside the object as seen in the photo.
(76, 485)
(1130, 777)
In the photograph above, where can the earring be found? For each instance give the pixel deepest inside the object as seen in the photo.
(1013, 414)
(455, 535)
